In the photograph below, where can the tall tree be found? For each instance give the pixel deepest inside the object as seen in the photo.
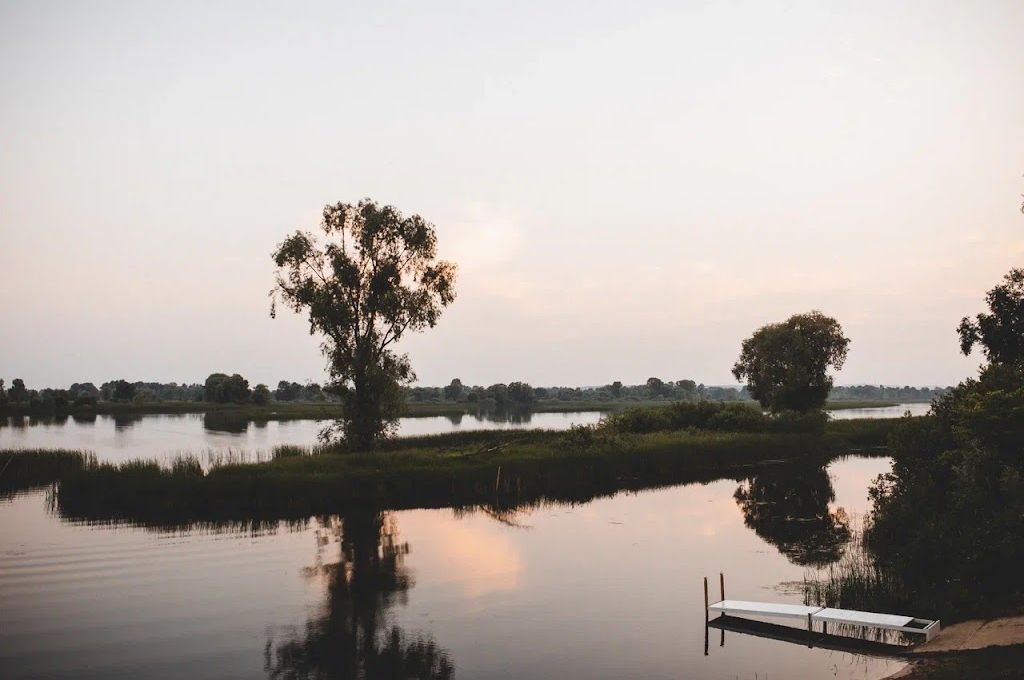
(455, 390)
(1000, 332)
(786, 364)
(374, 277)
(17, 392)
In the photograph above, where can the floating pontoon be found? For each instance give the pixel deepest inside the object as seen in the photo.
(822, 615)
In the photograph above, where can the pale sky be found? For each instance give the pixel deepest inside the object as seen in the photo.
(629, 189)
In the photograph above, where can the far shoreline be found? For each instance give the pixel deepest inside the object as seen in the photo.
(278, 410)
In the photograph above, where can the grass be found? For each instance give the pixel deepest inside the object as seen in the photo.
(856, 582)
(499, 469)
(23, 469)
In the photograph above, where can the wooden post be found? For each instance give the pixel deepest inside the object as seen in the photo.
(721, 582)
(705, 593)
(810, 630)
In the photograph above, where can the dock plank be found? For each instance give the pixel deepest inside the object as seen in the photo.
(733, 607)
(860, 618)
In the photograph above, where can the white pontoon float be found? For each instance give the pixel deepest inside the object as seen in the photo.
(822, 615)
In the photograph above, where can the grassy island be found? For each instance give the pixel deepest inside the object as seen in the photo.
(640, 448)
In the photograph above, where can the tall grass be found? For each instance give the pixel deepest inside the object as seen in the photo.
(22, 469)
(856, 581)
(497, 473)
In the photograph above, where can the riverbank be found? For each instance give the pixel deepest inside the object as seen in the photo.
(991, 663)
(291, 410)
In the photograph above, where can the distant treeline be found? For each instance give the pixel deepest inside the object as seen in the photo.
(655, 389)
(221, 388)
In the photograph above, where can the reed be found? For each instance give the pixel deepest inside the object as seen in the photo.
(22, 469)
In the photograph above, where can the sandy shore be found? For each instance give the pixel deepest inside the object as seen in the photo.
(969, 646)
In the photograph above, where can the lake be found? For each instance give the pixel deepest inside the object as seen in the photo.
(607, 589)
(216, 437)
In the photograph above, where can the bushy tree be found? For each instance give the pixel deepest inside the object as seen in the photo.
(287, 391)
(655, 387)
(455, 390)
(17, 393)
(221, 388)
(312, 392)
(122, 390)
(374, 277)
(786, 364)
(1000, 331)
(499, 393)
(86, 389)
(956, 489)
(261, 395)
(687, 388)
(520, 393)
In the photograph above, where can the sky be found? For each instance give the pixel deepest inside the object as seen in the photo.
(629, 189)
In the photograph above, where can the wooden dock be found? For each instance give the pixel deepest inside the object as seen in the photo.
(821, 615)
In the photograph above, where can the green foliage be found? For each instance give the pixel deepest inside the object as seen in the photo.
(712, 415)
(122, 391)
(17, 393)
(786, 364)
(1000, 331)
(455, 391)
(221, 388)
(261, 395)
(957, 491)
(376, 277)
(520, 394)
(580, 438)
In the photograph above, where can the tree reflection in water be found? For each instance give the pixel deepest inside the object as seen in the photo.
(353, 638)
(788, 507)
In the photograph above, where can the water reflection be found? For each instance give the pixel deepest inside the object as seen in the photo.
(166, 436)
(126, 421)
(470, 588)
(225, 422)
(789, 508)
(353, 638)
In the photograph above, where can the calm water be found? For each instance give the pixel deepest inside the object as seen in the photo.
(918, 409)
(607, 589)
(163, 437)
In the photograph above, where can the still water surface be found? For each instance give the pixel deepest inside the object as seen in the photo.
(606, 589)
(163, 437)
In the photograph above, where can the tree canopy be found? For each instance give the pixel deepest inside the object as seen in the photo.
(374, 277)
(786, 364)
(1000, 332)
